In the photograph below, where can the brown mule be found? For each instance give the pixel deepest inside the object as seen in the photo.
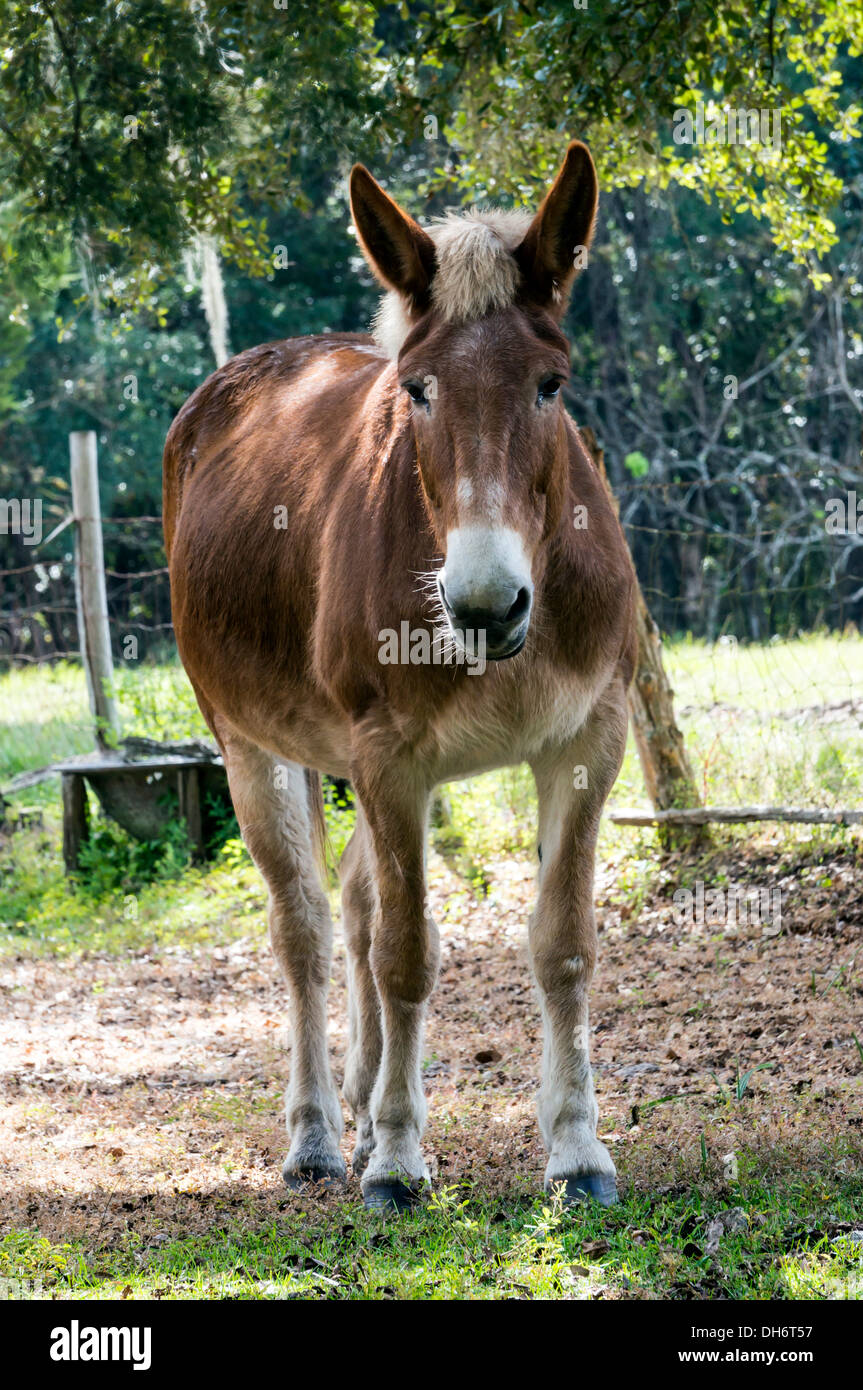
(393, 561)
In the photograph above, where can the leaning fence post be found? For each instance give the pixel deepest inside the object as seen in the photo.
(94, 635)
(668, 776)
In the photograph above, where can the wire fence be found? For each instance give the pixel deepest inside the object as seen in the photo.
(38, 613)
(771, 707)
(766, 568)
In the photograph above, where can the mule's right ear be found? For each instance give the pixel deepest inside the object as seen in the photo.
(399, 252)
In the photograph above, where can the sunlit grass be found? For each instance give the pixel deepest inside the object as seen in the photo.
(465, 1245)
(44, 715)
(783, 674)
(773, 723)
(42, 909)
(752, 716)
(731, 700)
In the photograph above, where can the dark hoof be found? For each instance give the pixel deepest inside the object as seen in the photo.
(307, 1177)
(601, 1186)
(391, 1196)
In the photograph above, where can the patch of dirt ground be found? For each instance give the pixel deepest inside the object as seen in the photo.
(144, 1092)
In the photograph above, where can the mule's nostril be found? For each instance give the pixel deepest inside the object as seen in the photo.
(504, 614)
(519, 608)
(491, 605)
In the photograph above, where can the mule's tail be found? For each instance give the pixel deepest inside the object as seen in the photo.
(317, 819)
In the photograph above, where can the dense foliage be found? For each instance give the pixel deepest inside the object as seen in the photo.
(717, 335)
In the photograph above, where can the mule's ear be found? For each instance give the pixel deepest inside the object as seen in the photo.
(558, 237)
(399, 252)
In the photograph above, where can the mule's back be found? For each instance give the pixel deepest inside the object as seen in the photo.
(254, 466)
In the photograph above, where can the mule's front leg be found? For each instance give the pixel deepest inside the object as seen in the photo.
(404, 960)
(572, 789)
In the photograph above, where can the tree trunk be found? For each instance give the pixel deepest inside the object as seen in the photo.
(668, 775)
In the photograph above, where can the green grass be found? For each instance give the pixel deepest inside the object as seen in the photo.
(465, 1243)
(742, 710)
(127, 894)
(44, 911)
(463, 1246)
(753, 732)
(43, 718)
(44, 715)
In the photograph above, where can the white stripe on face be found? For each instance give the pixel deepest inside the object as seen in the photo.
(464, 494)
(484, 500)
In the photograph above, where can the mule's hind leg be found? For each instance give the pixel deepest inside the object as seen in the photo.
(364, 1038)
(271, 802)
(572, 784)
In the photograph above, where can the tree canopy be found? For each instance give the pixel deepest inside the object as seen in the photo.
(134, 123)
(615, 73)
(129, 125)
(129, 128)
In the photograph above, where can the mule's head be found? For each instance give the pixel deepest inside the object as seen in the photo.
(471, 318)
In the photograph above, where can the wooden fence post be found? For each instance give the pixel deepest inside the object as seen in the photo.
(668, 775)
(94, 635)
(189, 795)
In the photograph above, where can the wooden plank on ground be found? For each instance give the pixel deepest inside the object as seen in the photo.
(733, 815)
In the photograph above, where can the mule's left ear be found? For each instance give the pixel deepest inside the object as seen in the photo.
(559, 235)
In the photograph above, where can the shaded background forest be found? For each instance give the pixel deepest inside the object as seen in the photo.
(102, 325)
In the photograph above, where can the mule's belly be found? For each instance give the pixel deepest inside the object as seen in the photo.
(312, 734)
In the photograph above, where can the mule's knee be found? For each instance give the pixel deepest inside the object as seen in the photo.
(562, 969)
(405, 961)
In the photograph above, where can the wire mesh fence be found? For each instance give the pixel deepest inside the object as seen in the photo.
(38, 614)
(770, 714)
(756, 582)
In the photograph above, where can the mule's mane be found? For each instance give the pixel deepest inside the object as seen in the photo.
(476, 271)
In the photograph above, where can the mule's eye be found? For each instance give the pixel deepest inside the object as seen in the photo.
(547, 389)
(417, 393)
